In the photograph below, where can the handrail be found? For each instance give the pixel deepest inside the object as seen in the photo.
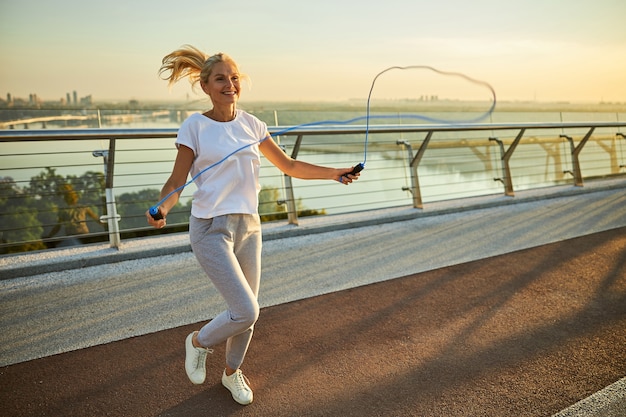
(514, 136)
(95, 133)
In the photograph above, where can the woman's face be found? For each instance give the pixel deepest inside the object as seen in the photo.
(224, 84)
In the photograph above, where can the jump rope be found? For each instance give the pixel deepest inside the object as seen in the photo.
(156, 213)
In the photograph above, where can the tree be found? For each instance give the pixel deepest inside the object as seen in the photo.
(21, 230)
(47, 188)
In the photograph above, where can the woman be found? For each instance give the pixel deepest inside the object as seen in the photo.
(224, 227)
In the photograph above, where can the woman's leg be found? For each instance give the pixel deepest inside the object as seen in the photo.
(248, 252)
(229, 249)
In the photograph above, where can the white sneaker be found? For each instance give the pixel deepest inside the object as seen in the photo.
(237, 384)
(195, 360)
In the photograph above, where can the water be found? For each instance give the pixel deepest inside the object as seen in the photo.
(443, 173)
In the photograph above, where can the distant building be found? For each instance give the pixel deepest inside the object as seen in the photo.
(86, 101)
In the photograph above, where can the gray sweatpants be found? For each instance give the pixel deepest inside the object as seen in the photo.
(229, 250)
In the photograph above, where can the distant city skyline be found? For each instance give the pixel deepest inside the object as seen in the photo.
(34, 98)
(536, 50)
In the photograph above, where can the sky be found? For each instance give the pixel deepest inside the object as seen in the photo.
(321, 50)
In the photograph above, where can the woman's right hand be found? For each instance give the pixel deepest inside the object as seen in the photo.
(159, 224)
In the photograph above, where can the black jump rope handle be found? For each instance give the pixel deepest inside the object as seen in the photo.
(155, 213)
(357, 168)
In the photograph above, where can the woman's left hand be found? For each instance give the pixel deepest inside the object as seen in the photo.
(346, 178)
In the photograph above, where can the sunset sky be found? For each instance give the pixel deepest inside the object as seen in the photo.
(544, 50)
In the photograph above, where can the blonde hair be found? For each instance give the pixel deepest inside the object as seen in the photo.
(190, 62)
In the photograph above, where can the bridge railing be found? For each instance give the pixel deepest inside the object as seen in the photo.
(118, 172)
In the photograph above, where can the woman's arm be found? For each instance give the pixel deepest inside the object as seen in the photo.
(178, 177)
(301, 169)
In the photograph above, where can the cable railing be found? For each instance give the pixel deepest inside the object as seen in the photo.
(118, 173)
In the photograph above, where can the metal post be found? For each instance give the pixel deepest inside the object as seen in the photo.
(502, 152)
(620, 134)
(292, 210)
(414, 162)
(578, 176)
(414, 181)
(111, 217)
(506, 161)
(417, 192)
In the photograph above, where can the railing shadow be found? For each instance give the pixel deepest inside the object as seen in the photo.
(455, 327)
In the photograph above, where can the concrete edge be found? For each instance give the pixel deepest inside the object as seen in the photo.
(87, 261)
(608, 402)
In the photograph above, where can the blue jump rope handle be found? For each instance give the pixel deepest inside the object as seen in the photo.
(155, 213)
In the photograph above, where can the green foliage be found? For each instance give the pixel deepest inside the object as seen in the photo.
(32, 212)
(28, 213)
(48, 189)
(47, 185)
(18, 215)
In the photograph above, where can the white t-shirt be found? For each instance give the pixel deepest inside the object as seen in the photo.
(231, 149)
